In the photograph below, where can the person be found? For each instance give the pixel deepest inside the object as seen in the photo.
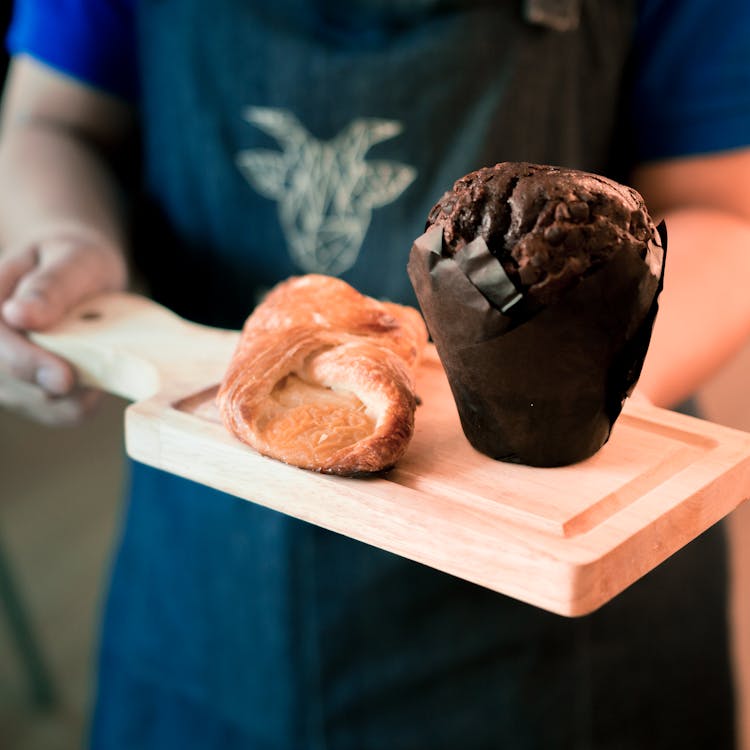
(280, 138)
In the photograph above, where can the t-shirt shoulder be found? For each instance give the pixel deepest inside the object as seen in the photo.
(91, 40)
(690, 78)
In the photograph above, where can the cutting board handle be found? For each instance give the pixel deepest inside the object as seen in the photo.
(132, 347)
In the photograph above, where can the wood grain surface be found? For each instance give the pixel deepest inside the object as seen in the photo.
(566, 539)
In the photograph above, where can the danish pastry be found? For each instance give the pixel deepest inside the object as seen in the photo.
(323, 378)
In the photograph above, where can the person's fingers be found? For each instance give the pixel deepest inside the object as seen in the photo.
(24, 361)
(43, 295)
(37, 287)
(32, 402)
(13, 268)
(68, 410)
(67, 271)
(639, 397)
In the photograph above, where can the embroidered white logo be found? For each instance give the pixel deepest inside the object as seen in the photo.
(326, 191)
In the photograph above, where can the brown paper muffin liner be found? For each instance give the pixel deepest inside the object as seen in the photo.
(541, 387)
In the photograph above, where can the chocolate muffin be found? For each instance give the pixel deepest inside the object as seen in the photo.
(548, 226)
(539, 286)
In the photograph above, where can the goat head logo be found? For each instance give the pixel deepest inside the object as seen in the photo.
(326, 190)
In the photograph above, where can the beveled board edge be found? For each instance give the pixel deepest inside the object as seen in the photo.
(567, 575)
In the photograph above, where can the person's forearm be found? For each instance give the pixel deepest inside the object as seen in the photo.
(704, 315)
(53, 172)
(62, 235)
(52, 181)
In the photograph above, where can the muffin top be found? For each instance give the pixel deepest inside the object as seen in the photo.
(548, 226)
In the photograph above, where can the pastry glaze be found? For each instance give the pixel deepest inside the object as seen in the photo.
(323, 377)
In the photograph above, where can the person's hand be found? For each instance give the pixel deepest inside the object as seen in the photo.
(39, 283)
(639, 397)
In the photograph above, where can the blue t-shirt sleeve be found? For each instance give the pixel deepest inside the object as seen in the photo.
(691, 90)
(90, 40)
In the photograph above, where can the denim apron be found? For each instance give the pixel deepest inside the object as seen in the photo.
(314, 135)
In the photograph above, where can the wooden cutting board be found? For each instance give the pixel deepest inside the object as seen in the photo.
(565, 539)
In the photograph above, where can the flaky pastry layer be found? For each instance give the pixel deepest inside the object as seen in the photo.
(323, 377)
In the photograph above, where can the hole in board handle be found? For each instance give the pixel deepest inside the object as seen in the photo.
(90, 315)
